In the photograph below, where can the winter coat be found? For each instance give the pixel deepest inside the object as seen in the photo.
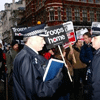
(1, 55)
(79, 64)
(10, 55)
(96, 76)
(28, 77)
(86, 54)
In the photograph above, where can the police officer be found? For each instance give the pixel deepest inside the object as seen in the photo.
(29, 68)
(96, 63)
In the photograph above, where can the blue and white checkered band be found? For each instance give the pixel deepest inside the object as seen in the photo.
(36, 32)
(95, 31)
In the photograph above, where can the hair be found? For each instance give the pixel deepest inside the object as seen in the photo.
(76, 42)
(25, 39)
(57, 52)
(87, 34)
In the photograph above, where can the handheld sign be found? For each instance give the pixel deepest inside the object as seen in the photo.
(79, 33)
(70, 33)
(56, 36)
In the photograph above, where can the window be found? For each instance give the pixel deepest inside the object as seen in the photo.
(44, 16)
(91, 15)
(84, 15)
(75, 0)
(36, 4)
(59, 14)
(51, 14)
(77, 14)
(43, 1)
(83, 0)
(97, 1)
(91, 1)
(98, 15)
(39, 3)
(69, 14)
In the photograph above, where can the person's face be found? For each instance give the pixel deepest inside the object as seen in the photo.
(96, 42)
(79, 43)
(15, 47)
(37, 43)
(86, 39)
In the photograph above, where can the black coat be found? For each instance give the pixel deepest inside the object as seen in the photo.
(1, 55)
(96, 76)
(86, 54)
(28, 77)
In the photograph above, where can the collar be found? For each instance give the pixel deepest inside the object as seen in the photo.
(33, 49)
(97, 52)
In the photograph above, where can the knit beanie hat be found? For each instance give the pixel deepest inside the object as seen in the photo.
(13, 43)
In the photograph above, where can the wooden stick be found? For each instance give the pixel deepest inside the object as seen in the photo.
(65, 63)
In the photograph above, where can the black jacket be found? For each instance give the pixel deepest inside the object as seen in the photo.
(1, 55)
(96, 76)
(86, 54)
(28, 77)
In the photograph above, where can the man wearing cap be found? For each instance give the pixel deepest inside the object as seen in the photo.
(29, 69)
(96, 63)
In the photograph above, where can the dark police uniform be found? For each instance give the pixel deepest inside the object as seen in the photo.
(96, 68)
(96, 76)
(28, 77)
(28, 74)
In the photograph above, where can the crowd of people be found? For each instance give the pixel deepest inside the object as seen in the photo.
(25, 69)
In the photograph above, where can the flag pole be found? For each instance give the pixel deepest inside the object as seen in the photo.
(65, 62)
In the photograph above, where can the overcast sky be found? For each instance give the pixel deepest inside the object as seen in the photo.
(2, 2)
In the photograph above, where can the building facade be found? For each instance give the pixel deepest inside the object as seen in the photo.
(11, 17)
(54, 12)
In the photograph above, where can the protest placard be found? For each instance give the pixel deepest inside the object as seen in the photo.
(79, 33)
(56, 36)
(70, 33)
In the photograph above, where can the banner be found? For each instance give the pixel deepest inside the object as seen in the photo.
(16, 33)
(70, 33)
(17, 30)
(56, 36)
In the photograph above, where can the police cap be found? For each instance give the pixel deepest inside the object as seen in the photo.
(35, 31)
(95, 31)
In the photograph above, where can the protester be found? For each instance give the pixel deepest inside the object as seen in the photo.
(10, 55)
(63, 93)
(96, 64)
(1, 60)
(86, 54)
(29, 68)
(79, 67)
(48, 54)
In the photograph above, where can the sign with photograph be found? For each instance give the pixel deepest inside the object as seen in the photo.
(70, 33)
